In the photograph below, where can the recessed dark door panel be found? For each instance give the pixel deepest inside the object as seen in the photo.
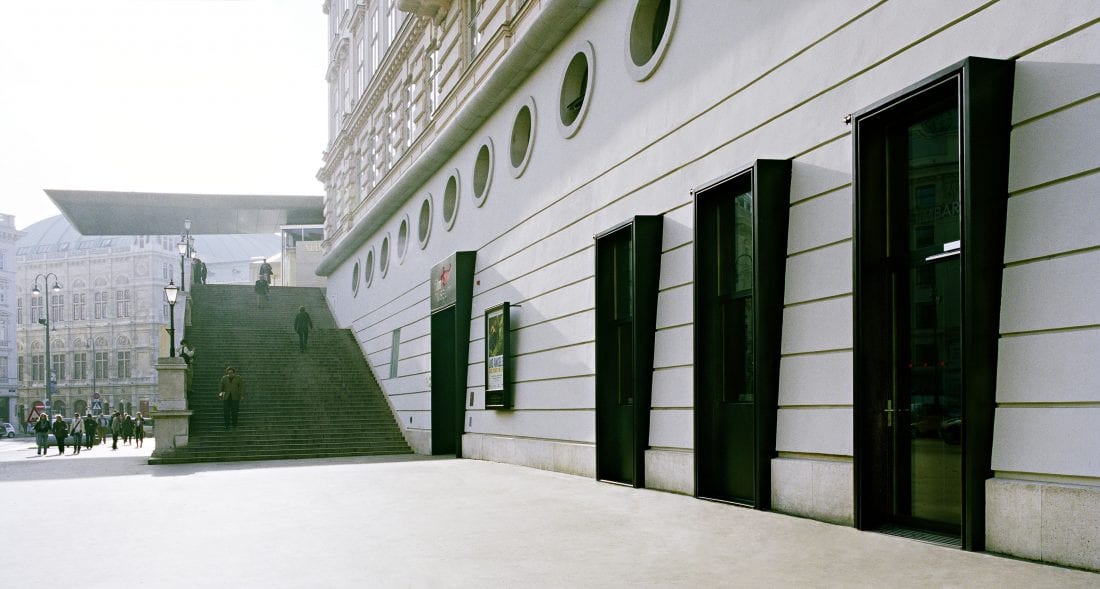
(929, 247)
(615, 357)
(444, 382)
(627, 275)
(451, 300)
(741, 233)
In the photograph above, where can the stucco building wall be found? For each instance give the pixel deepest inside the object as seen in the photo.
(738, 82)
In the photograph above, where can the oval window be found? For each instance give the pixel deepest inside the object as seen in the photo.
(402, 239)
(576, 90)
(650, 32)
(355, 279)
(483, 172)
(450, 201)
(523, 137)
(368, 267)
(384, 256)
(424, 222)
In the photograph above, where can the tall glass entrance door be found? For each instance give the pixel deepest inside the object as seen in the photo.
(930, 185)
(925, 411)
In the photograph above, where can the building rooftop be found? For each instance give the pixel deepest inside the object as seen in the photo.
(56, 234)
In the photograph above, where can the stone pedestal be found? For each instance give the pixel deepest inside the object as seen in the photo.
(171, 413)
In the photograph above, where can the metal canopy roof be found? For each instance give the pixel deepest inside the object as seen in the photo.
(96, 212)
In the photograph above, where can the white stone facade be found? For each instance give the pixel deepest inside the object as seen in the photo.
(106, 323)
(431, 148)
(8, 348)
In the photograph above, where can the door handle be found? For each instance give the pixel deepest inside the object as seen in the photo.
(890, 411)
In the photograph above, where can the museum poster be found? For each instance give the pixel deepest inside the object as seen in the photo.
(496, 349)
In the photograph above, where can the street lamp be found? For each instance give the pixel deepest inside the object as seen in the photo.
(184, 247)
(50, 383)
(91, 342)
(170, 293)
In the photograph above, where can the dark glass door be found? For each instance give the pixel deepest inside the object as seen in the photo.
(725, 330)
(444, 383)
(615, 435)
(924, 412)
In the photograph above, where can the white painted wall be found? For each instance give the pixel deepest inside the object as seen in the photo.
(775, 80)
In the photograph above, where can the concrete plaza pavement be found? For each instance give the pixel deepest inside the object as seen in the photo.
(106, 518)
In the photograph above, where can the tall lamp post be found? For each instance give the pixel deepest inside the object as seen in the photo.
(46, 322)
(184, 247)
(91, 344)
(170, 294)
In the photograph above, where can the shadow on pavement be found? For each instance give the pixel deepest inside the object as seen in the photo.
(174, 470)
(30, 467)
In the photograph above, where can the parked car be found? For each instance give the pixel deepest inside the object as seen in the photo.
(7, 430)
(951, 430)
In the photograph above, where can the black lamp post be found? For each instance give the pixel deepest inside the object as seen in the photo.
(170, 293)
(46, 322)
(184, 247)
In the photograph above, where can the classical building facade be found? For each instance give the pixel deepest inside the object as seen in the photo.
(833, 259)
(105, 318)
(109, 313)
(8, 293)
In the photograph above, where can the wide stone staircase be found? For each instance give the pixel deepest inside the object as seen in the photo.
(324, 402)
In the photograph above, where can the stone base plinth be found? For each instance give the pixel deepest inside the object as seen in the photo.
(1048, 522)
(170, 430)
(567, 457)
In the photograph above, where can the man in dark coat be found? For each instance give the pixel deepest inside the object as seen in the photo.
(231, 392)
(116, 429)
(42, 433)
(261, 293)
(60, 430)
(302, 324)
(265, 272)
(90, 426)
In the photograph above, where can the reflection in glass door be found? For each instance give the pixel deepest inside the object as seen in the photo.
(925, 410)
(930, 178)
(726, 408)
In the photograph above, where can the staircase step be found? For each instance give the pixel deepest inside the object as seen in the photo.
(330, 386)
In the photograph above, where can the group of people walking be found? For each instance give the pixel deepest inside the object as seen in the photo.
(84, 430)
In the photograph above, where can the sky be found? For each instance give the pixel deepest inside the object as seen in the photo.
(191, 96)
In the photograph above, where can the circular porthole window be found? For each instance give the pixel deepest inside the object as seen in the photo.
(402, 239)
(368, 267)
(576, 90)
(355, 279)
(523, 137)
(424, 222)
(450, 201)
(483, 172)
(650, 32)
(384, 256)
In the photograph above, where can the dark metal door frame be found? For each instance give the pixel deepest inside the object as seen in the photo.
(769, 182)
(645, 234)
(451, 287)
(985, 103)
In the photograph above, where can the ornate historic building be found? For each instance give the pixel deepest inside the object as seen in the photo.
(833, 259)
(107, 317)
(8, 294)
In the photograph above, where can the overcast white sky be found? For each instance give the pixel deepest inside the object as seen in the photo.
(203, 96)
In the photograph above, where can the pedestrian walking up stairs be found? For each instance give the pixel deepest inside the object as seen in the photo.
(323, 402)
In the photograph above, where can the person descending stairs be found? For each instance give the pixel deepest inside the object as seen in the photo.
(324, 402)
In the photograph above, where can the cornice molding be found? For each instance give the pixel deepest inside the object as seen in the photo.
(433, 9)
(557, 19)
